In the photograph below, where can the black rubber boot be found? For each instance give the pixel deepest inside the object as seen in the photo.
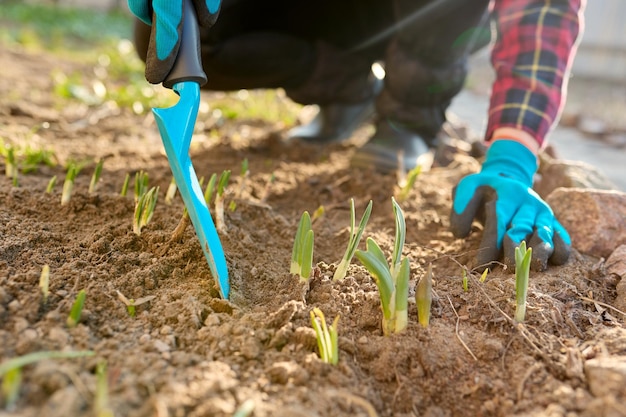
(390, 142)
(336, 122)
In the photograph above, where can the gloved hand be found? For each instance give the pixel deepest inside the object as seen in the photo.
(167, 29)
(501, 197)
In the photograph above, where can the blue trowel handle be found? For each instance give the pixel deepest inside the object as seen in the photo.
(188, 65)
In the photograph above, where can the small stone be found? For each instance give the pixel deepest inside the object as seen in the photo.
(161, 346)
(166, 330)
(212, 320)
(616, 264)
(144, 338)
(595, 219)
(607, 376)
(59, 336)
(287, 371)
(30, 334)
(20, 324)
(362, 340)
(14, 306)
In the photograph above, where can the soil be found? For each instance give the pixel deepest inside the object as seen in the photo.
(187, 352)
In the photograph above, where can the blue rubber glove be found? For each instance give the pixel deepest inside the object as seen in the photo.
(166, 31)
(501, 197)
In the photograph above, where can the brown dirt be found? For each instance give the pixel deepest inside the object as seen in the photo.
(189, 353)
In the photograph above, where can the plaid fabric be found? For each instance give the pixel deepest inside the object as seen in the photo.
(532, 55)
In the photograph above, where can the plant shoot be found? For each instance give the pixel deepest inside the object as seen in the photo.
(95, 177)
(424, 297)
(392, 279)
(355, 238)
(302, 253)
(77, 310)
(144, 209)
(326, 336)
(523, 257)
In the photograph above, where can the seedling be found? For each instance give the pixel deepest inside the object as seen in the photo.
(523, 257)
(95, 177)
(144, 209)
(10, 169)
(210, 188)
(77, 310)
(68, 184)
(245, 409)
(171, 192)
(266, 190)
(101, 406)
(245, 173)
(141, 184)
(326, 336)
(465, 284)
(355, 238)
(483, 276)
(132, 303)
(318, 213)
(408, 183)
(392, 279)
(11, 371)
(220, 223)
(302, 253)
(44, 282)
(124, 191)
(51, 184)
(424, 297)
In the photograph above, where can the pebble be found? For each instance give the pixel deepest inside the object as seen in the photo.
(20, 324)
(161, 346)
(595, 219)
(58, 335)
(14, 306)
(607, 376)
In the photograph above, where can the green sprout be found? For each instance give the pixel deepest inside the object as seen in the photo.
(44, 282)
(144, 209)
(326, 336)
(268, 186)
(171, 192)
(392, 279)
(96, 176)
(424, 297)
(10, 169)
(77, 309)
(210, 188)
(318, 213)
(302, 253)
(465, 283)
(101, 405)
(141, 184)
(409, 182)
(523, 257)
(11, 387)
(245, 409)
(483, 276)
(125, 185)
(131, 304)
(68, 184)
(245, 174)
(355, 238)
(51, 184)
(220, 223)
(11, 371)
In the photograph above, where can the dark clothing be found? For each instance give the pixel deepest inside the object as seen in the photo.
(318, 51)
(321, 53)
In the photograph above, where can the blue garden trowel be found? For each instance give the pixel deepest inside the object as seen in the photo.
(176, 125)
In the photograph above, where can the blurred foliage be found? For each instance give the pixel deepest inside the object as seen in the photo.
(115, 74)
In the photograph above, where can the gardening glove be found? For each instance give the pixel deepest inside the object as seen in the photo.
(502, 198)
(166, 32)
